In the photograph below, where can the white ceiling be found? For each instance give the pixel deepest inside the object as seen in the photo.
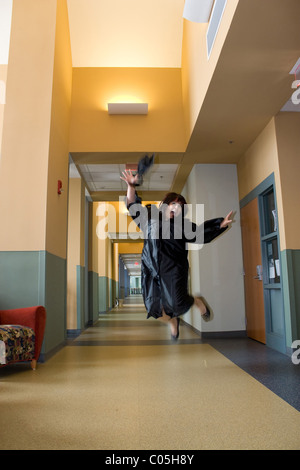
(104, 177)
(132, 263)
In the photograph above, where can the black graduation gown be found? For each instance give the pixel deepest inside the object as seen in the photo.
(164, 262)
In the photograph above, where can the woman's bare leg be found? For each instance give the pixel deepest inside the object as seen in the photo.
(172, 322)
(203, 309)
(200, 305)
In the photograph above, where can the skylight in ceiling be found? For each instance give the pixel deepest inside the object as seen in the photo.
(214, 23)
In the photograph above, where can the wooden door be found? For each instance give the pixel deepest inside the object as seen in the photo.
(254, 291)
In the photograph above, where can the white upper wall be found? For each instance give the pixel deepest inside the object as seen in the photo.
(216, 270)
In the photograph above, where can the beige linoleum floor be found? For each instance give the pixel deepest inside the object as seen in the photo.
(122, 385)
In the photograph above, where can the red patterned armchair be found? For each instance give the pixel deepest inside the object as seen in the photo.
(21, 335)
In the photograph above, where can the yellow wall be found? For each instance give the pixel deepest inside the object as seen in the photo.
(115, 274)
(3, 75)
(93, 239)
(259, 162)
(174, 95)
(197, 69)
(106, 253)
(103, 257)
(56, 233)
(288, 140)
(35, 129)
(76, 219)
(113, 218)
(276, 150)
(26, 126)
(94, 130)
(135, 248)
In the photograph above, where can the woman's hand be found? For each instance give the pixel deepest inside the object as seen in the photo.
(131, 181)
(227, 220)
(129, 178)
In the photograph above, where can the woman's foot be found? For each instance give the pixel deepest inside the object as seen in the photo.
(174, 322)
(203, 308)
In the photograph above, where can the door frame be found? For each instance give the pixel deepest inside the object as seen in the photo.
(273, 340)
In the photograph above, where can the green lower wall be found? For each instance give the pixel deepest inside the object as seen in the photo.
(29, 278)
(103, 294)
(36, 278)
(115, 290)
(107, 293)
(39, 278)
(80, 292)
(93, 296)
(290, 266)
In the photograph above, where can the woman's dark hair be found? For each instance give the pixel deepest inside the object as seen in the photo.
(172, 197)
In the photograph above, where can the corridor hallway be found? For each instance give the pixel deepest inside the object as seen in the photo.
(124, 385)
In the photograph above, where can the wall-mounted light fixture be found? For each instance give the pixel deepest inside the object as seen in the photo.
(127, 108)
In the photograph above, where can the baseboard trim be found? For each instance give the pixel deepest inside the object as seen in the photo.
(223, 334)
(44, 357)
(217, 334)
(71, 334)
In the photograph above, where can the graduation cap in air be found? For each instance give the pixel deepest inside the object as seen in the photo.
(144, 165)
